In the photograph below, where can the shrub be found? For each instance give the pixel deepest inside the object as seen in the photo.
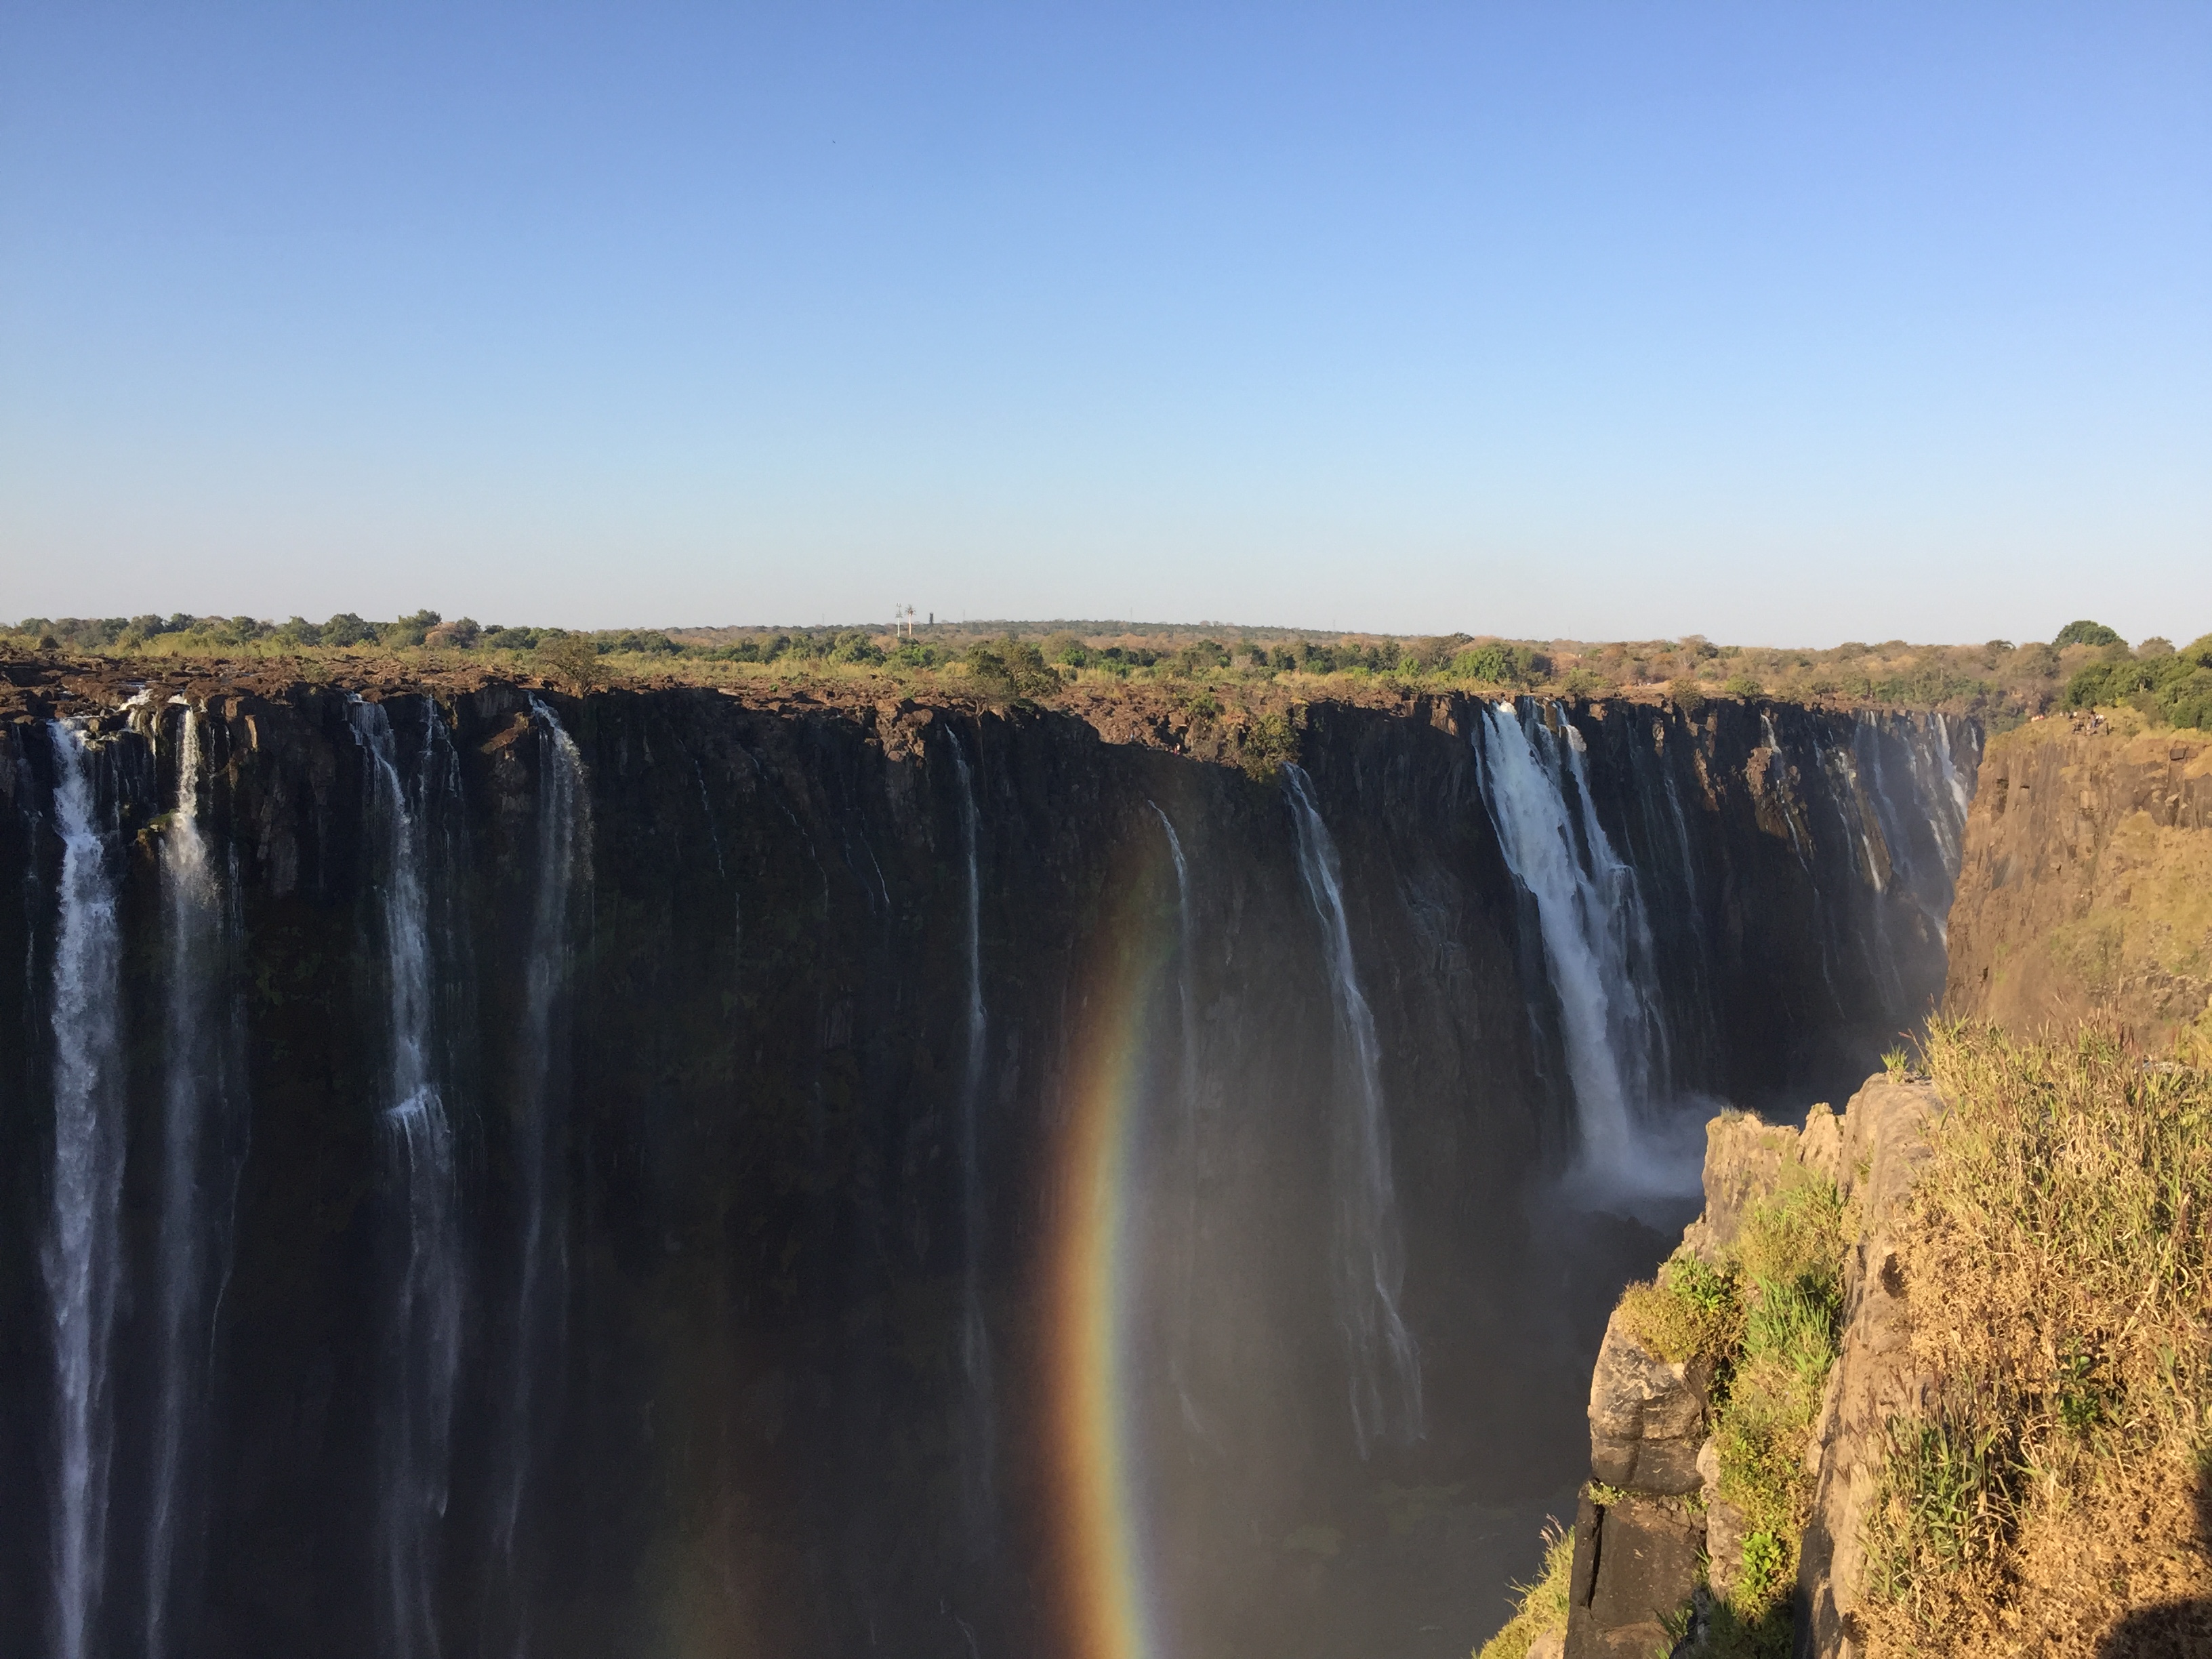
(406, 631)
(460, 634)
(1740, 685)
(1266, 746)
(1689, 1311)
(638, 641)
(1010, 671)
(1496, 663)
(571, 657)
(854, 646)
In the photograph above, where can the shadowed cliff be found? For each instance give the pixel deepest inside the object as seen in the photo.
(714, 1316)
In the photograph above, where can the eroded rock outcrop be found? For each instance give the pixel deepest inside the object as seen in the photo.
(1653, 1524)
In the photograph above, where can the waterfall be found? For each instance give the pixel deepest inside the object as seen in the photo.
(1596, 934)
(1778, 771)
(1922, 824)
(1369, 1260)
(418, 1138)
(1187, 1151)
(202, 1129)
(79, 1256)
(974, 1333)
(563, 845)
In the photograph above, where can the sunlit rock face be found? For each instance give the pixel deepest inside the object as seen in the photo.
(649, 1174)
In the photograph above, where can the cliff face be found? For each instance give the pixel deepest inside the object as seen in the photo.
(2087, 883)
(596, 1174)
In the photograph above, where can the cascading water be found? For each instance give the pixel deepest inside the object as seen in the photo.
(1597, 941)
(563, 862)
(1934, 799)
(975, 1333)
(423, 1358)
(81, 1249)
(1187, 1148)
(203, 1128)
(720, 1374)
(1369, 1260)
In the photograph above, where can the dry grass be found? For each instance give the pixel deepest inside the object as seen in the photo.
(2057, 1258)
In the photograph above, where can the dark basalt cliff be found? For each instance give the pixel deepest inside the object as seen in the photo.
(622, 1143)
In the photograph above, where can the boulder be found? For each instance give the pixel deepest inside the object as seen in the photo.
(1647, 1415)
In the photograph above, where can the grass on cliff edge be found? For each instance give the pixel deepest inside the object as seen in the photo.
(1541, 1608)
(2058, 1250)
(1767, 1314)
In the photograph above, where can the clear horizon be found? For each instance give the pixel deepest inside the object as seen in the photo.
(1844, 322)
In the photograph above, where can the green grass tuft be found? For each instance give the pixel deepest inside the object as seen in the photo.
(1541, 1607)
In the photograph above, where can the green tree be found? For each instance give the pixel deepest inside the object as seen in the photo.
(1010, 671)
(570, 657)
(2086, 633)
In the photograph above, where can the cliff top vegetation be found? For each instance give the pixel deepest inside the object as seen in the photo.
(2000, 681)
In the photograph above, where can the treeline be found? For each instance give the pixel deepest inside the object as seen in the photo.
(2173, 688)
(2003, 683)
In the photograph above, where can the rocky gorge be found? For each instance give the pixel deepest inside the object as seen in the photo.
(1897, 1413)
(492, 1169)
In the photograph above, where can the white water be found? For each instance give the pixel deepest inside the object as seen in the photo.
(1936, 796)
(975, 1333)
(79, 1257)
(564, 840)
(1777, 775)
(1187, 1151)
(202, 1155)
(1597, 949)
(425, 1314)
(1369, 1256)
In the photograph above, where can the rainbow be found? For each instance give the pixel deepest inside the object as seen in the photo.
(1092, 1282)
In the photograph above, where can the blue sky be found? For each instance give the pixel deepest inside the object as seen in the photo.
(1781, 323)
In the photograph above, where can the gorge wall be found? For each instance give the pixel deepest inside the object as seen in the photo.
(658, 1174)
(2086, 888)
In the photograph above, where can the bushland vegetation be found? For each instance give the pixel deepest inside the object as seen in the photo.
(2000, 681)
(2173, 688)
